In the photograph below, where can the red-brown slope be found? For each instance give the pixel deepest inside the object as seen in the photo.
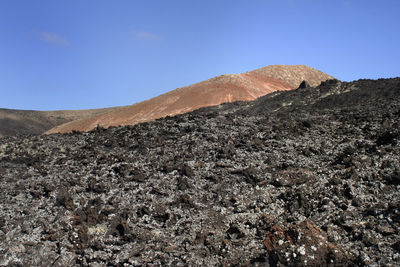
(225, 88)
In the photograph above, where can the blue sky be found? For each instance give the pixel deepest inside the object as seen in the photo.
(79, 54)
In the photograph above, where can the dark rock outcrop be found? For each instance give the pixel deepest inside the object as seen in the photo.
(304, 84)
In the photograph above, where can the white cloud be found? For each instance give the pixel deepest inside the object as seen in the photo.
(148, 36)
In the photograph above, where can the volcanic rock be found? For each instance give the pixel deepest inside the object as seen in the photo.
(304, 84)
(239, 184)
(303, 244)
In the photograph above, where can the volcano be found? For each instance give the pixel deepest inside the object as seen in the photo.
(225, 88)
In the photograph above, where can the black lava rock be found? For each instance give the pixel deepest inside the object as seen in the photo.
(304, 177)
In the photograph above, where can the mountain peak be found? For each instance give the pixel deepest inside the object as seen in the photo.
(294, 74)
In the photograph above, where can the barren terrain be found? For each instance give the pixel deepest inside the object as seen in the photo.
(307, 177)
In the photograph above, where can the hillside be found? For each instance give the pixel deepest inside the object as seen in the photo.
(306, 177)
(13, 122)
(225, 88)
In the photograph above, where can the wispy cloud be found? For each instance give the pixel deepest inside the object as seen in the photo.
(148, 36)
(51, 38)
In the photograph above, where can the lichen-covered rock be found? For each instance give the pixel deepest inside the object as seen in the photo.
(241, 184)
(303, 244)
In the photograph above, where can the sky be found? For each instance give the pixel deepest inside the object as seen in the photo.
(82, 54)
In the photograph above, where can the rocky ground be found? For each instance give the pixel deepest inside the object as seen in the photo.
(308, 177)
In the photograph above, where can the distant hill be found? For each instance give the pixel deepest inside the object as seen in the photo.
(225, 88)
(13, 122)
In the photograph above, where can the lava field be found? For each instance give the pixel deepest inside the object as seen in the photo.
(307, 177)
